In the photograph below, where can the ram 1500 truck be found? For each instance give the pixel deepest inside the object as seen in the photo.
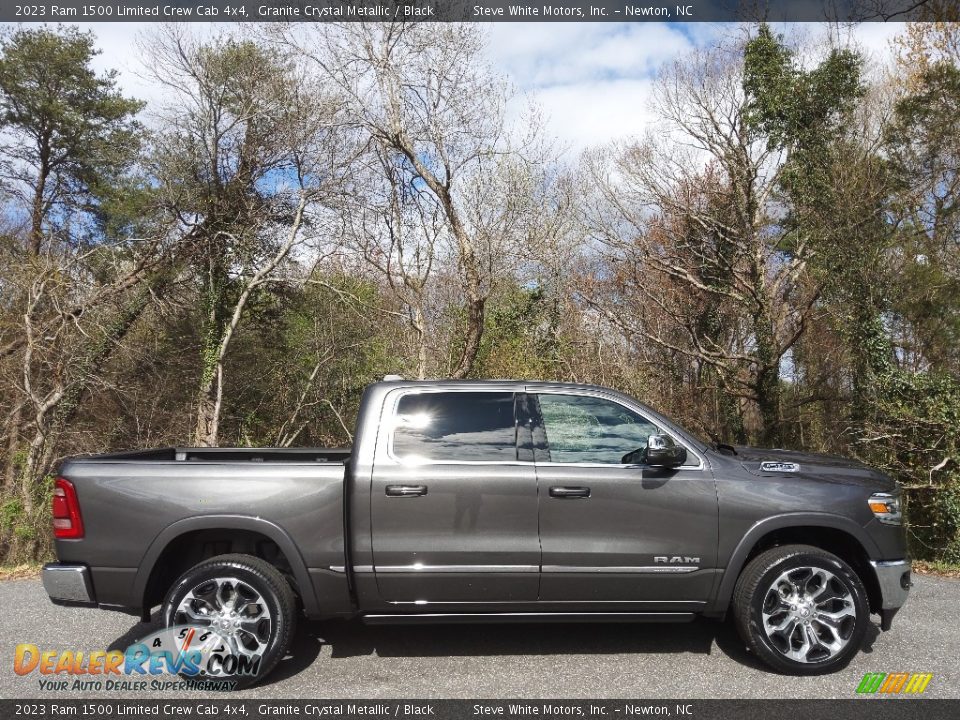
(488, 501)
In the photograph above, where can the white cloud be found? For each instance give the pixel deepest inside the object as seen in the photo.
(120, 44)
(545, 54)
(874, 39)
(580, 115)
(594, 81)
(119, 52)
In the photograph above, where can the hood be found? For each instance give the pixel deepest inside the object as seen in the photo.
(806, 465)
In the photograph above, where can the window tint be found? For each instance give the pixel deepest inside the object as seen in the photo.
(583, 429)
(455, 426)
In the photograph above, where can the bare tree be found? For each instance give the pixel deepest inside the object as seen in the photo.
(398, 229)
(695, 242)
(74, 310)
(424, 96)
(71, 287)
(249, 149)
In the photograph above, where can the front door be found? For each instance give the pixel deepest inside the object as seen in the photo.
(454, 512)
(611, 531)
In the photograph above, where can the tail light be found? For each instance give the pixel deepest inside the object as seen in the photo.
(67, 524)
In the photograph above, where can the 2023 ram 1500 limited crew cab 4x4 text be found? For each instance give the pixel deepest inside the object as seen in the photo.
(489, 501)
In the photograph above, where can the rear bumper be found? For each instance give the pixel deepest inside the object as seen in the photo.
(68, 584)
(893, 577)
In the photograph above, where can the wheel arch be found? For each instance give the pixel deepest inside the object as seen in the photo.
(833, 533)
(148, 587)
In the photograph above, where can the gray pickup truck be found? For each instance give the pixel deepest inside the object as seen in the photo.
(488, 501)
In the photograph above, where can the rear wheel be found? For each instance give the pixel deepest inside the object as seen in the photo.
(802, 610)
(247, 604)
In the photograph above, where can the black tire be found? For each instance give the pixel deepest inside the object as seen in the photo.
(762, 587)
(275, 626)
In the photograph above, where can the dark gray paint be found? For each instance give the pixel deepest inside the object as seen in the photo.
(485, 537)
(472, 515)
(631, 517)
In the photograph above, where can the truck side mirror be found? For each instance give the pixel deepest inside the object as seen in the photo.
(663, 451)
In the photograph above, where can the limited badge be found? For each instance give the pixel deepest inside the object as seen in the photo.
(776, 466)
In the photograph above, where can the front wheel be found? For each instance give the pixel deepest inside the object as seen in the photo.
(802, 610)
(244, 611)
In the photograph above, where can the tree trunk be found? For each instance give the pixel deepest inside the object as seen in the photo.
(730, 415)
(872, 355)
(14, 421)
(207, 429)
(476, 300)
(473, 335)
(767, 383)
(420, 329)
(206, 433)
(37, 210)
(28, 478)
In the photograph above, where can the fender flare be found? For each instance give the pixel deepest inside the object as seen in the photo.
(229, 522)
(779, 522)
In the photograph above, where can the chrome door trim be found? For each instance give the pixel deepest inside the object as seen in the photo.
(621, 570)
(389, 413)
(537, 603)
(609, 569)
(525, 617)
(421, 568)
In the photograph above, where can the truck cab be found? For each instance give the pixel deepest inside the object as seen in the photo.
(484, 495)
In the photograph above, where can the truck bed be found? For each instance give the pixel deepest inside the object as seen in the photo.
(227, 454)
(160, 501)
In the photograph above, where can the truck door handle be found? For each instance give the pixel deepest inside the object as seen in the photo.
(406, 490)
(570, 492)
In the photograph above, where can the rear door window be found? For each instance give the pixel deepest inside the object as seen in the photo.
(465, 426)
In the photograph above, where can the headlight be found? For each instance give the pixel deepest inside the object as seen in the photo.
(886, 508)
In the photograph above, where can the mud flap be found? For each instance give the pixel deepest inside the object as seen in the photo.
(886, 618)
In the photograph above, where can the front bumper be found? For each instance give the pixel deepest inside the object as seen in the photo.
(893, 577)
(68, 584)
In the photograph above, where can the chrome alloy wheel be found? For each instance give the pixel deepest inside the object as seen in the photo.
(231, 608)
(809, 614)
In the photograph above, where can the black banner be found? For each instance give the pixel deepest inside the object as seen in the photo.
(107, 709)
(463, 11)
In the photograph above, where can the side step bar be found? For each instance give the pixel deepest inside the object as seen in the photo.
(524, 617)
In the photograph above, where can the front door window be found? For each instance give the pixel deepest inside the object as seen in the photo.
(585, 429)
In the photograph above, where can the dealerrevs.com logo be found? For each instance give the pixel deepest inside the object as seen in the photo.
(199, 655)
(894, 683)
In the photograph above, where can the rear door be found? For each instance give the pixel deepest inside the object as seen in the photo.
(453, 509)
(616, 532)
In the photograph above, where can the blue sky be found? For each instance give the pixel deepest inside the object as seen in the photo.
(593, 81)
